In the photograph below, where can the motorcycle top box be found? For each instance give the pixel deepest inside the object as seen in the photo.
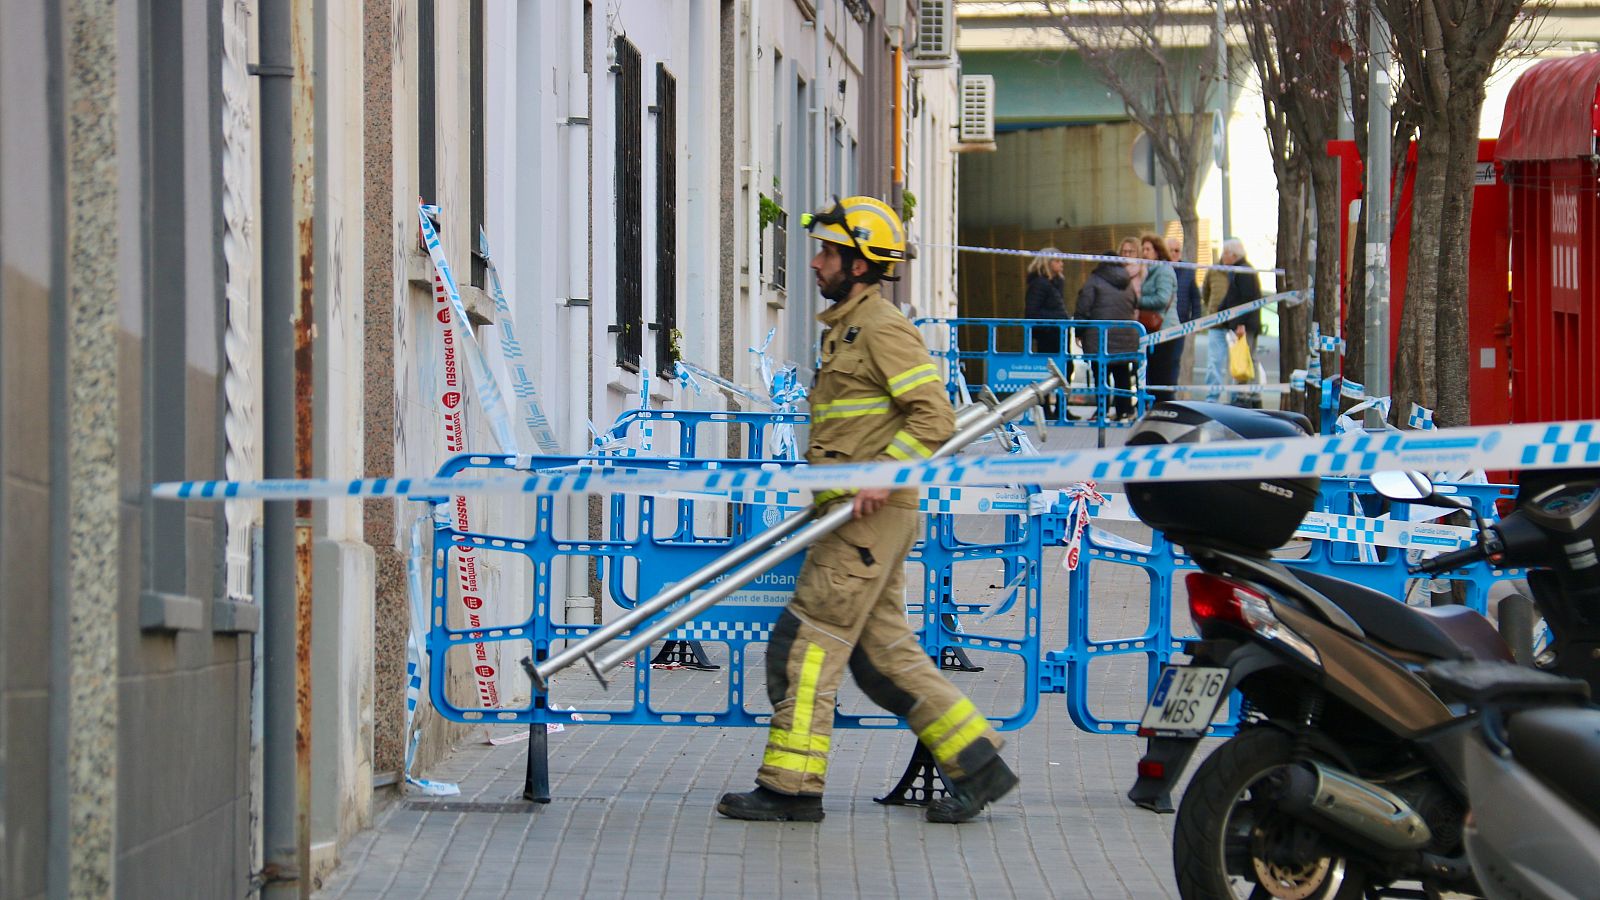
(1249, 515)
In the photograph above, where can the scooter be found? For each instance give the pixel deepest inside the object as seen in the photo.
(1532, 760)
(1346, 775)
(1532, 767)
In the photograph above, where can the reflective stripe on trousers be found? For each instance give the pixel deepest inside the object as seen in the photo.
(849, 611)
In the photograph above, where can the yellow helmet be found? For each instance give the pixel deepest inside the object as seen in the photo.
(866, 224)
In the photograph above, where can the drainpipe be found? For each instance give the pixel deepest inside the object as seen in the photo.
(819, 118)
(286, 280)
(752, 210)
(897, 178)
(577, 305)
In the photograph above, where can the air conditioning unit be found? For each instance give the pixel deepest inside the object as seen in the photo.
(977, 109)
(936, 32)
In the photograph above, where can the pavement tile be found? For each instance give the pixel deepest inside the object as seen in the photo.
(632, 810)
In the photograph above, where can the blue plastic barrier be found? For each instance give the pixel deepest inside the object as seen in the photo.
(654, 541)
(1381, 568)
(999, 354)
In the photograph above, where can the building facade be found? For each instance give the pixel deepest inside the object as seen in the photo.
(216, 271)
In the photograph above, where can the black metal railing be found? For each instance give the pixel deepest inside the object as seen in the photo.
(629, 325)
(666, 220)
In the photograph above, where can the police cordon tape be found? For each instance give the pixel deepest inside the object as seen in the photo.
(1088, 257)
(1342, 528)
(1531, 446)
(1292, 298)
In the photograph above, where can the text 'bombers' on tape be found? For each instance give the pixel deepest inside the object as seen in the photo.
(1534, 446)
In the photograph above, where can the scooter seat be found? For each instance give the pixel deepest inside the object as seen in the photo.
(1444, 632)
(1562, 747)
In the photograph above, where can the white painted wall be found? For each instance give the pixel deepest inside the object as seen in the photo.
(552, 225)
(343, 568)
(932, 166)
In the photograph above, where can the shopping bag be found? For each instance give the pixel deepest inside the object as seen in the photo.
(1241, 366)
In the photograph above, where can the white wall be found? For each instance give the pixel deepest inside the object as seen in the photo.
(343, 568)
(931, 174)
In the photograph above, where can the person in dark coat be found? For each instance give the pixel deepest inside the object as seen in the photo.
(1188, 306)
(1046, 299)
(1107, 296)
(1243, 287)
(1160, 294)
(1188, 287)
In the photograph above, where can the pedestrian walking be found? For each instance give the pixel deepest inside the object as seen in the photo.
(1046, 299)
(1107, 295)
(1128, 248)
(1216, 287)
(1160, 295)
(1188, 306)
(877, 396)
(1243, 287)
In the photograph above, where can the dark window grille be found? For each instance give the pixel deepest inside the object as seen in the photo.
(427, 156)
(666, 218)
(480, 270)
(630, 213)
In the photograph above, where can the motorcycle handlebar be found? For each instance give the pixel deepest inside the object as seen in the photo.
(1455, 559)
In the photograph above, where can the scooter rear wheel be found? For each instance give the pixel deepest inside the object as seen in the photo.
(1230, 842)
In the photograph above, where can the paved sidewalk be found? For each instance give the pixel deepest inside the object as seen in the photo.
(632, 809)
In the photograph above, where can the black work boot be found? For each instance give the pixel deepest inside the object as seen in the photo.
(762, 805)
(971, 794)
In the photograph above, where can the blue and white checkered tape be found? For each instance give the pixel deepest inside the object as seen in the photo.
(1533, 446)
(1290, 298)
(723, 631)
(1421, 418)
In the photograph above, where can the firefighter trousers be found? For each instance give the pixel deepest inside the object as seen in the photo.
(849, 609)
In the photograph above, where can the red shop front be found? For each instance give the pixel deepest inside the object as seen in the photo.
(1488, 324)
(1548, 157)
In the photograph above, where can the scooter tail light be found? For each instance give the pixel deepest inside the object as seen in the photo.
(1213, 598)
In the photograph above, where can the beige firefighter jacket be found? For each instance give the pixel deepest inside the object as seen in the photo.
(877, 395)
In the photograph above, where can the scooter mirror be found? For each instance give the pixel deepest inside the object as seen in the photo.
(1403, 486)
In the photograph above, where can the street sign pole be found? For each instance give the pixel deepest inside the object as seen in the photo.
(1378, 216)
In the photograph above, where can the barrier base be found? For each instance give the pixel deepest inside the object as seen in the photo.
(686, 654)
(954, 659)
(921, 784)
(536, 780)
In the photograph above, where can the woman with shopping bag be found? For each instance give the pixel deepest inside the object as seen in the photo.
(1242, 369)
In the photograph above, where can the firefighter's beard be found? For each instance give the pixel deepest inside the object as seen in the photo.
(834, 289)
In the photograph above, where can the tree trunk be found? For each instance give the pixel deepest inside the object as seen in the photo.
(1415, 364)
(1455, 225)
(1355, 310)
(1292, 320)
(1325, 280)
(1188, 217)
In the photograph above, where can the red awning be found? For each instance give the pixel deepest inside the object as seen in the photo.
(1553, 111)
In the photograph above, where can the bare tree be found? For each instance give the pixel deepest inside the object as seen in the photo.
(1298, 50)
(1446, 50)
(1166, 90)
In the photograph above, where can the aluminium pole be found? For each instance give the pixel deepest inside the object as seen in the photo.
(1378, 216)
(1224, 108)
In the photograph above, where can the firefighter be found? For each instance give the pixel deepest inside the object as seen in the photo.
(877, 396)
